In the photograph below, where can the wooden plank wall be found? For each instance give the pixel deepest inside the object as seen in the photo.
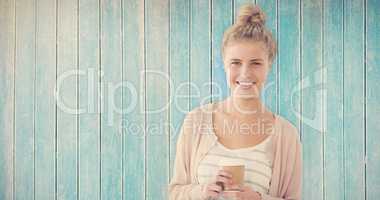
(94, 92)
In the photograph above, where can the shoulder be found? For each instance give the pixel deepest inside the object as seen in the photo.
(290, 133)
(198, 114)
(196, 120)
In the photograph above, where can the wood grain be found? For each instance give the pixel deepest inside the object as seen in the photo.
(354, 115)
(7, 109)
(24, 100)
(134, 69)
(312, 99)
(333, 62)
(157, 101)
(133, 100)
(45, 107)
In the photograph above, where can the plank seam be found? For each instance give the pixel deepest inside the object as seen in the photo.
(211, 42)
(169, 93)
(211, 51)
(190, 52)
(14, 103)
(100, 98)
(145, 106)
(300, 35)
(278, 57)
(365, 98)
(323, 102)
(122, 98)
(34, 97)
(343, 110)
(233, 11)
(77, 104)
(55, 107)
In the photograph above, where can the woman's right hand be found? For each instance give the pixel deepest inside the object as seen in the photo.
(215, 187)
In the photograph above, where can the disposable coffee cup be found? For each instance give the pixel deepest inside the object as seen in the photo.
(236, 168)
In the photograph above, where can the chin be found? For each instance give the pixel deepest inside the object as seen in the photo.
(246, 96)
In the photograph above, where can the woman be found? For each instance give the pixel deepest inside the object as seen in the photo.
(239, 127)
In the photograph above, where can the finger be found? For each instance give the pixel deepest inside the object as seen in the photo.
(221, 184)
(239, 195)
(223, 180)
(235, 187)
(214, 187)
(230, 194)
(247, 188)
(225, 173)
(212, 194)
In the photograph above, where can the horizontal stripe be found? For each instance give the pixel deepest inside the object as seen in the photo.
(207, 177)
(258, 166)
(268, 176)
(217, 155)
(240, 150)
(241, 158)
(215, 167)
(258, 185)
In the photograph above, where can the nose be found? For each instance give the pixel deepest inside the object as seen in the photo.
(245, 69)
(247, 72)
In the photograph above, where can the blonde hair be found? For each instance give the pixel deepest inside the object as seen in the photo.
(250, 26)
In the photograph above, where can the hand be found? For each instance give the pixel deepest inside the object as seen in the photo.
(213, 189)
(246, 193)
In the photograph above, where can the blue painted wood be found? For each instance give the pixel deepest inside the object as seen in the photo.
(333, 115)
(111, 100)
(373, 99)
(181, 39)
(312, 99)
(7, 71)
(179, 71)
(133, 100)
(269, 93)
(289, 61)
(354, 99)
(24, 100)
(200, 53)
(45, 120)
(289, 92)
(88, 100)
(157, 101)
(67, 126)
(221, 20)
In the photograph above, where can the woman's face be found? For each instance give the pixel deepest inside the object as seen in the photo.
(247, 66)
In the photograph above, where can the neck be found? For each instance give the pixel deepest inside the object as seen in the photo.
(241, 106)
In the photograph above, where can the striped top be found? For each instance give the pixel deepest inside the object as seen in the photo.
(196, 139)
(258, 164)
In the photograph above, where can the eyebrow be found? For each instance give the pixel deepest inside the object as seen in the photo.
(256, 59)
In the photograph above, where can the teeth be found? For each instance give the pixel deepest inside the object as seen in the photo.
(245, 83)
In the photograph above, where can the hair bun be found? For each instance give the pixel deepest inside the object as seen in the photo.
(251, 14)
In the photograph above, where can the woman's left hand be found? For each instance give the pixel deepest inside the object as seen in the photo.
(246, 193)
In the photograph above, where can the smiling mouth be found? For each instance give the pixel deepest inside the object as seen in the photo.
(245, 83)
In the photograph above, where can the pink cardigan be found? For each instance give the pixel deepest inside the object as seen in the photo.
(196, 139)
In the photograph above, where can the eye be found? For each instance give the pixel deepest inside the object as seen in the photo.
(256, 64)
(235, 63)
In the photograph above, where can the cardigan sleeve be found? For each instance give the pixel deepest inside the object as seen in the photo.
(180, 186)
(292, 167)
